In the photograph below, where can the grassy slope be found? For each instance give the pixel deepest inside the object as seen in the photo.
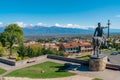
(43, 70)
(86, 57)
(2, 71)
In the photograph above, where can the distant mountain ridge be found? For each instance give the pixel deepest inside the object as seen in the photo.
(53, 30)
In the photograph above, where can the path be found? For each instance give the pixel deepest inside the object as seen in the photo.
(81, 71)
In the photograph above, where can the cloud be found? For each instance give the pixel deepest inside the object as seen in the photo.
(58, 25)
(117, 16)
(23, 25)
(1, 24)
(73, 26)
(39, 24)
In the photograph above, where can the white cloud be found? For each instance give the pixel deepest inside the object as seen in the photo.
(58, 25)
(73, 26)
(1, 24)
(23, 25)
(41, 24)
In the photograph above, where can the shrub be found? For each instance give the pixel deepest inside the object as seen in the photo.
(18, 58)
(26, 57)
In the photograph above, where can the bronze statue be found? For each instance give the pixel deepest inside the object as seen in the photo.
(99, 39)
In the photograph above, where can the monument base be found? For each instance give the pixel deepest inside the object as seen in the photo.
(98, 63)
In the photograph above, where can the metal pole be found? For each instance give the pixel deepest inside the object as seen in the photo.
(108, 28)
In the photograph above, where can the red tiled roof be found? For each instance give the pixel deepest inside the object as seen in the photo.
(75, 44)
(85, 44)
(70, 45)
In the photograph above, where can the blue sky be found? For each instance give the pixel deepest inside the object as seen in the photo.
(67, 13)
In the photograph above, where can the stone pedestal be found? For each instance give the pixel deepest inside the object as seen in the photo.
(97, 64)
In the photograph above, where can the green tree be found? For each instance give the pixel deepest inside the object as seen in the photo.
(30, 52)
(22, 51)
(1, 49)
(39, 53)
(11, 35)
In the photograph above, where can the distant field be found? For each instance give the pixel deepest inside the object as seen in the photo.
(43, 70)
(2, 71)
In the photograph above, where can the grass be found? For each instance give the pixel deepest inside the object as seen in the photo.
(108, 50)
(43, 70)
(97, 79)
(2, 71)
(86, 57)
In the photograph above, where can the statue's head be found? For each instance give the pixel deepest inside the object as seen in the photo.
(99, 24)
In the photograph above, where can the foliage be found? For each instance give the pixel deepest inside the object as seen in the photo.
(34, 51)
(11, 35)
(86, 57)
(18, 58)
(1, 49)
(22, 51)
(43, 70)
(26, 57)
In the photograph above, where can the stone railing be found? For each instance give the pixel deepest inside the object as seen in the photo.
(22, 62)
(68, 59)
(7, 61)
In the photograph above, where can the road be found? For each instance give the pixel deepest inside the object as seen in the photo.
(114, 59)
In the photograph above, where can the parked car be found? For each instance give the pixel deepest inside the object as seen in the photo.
(118, 52)
(114, 53)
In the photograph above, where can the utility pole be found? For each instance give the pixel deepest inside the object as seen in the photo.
(108, 28)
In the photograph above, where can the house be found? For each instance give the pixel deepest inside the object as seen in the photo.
(76, 47)
(50, 46)
(71, 47)
(85, 47)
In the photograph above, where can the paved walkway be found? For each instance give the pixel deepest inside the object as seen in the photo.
(82, 72)
(76, 77)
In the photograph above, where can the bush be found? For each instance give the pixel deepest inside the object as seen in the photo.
(18, 58)
(26, 57)
(30, 52)
(21, 51)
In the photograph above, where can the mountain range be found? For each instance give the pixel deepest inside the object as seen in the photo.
(53, 30)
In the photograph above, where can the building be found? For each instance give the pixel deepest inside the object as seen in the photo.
(76, 47)
(50, 46)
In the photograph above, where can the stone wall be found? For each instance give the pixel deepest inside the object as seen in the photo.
(98, 64)
(7, 61)
(68, 59)
(22, 62)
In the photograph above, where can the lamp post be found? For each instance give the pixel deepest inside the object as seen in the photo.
(108, 28)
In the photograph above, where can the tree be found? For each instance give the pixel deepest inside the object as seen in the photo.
(11, 35)
(30, 52)
(22, 51)
(1, 49)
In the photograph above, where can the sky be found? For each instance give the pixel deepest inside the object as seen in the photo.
(65, 13)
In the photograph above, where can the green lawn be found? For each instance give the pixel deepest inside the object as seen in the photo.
(43, 70)
(108, 50)
(97, 79)
(86, 57)
(2, 71)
